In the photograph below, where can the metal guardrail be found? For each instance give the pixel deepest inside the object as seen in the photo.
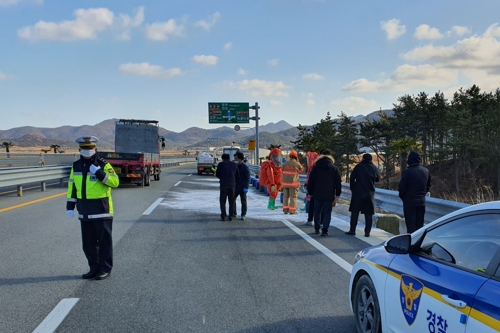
(33, 160)
(389, 201)
(20, 177)
(17, 177)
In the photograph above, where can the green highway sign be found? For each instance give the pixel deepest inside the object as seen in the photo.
(228, 113)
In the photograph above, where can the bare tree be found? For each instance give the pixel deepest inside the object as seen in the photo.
(7, 146)
(55, 147)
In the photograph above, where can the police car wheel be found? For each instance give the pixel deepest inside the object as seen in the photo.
(366, 306)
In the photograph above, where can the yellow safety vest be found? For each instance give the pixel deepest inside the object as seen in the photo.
(91, 194)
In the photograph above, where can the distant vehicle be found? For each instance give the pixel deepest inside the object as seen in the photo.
(231, 150)
(206, 163)
(137, 151)
(445, 277)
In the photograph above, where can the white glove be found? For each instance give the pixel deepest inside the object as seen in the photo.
(70, 213)
(93, 169)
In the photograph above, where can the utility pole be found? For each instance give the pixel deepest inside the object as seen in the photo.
(256, 107)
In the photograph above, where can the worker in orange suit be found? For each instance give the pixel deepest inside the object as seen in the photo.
(271, 176)
(291, 183)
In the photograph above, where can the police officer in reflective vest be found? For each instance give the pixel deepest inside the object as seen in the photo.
(89, 190)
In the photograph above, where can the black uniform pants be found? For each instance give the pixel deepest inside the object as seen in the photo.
(243, 199)
(98, 244)
(226, 194)
(322, 214)
(310, 212)
(414, 217)
(354, 222)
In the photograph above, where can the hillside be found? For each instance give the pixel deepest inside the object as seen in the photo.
(65, 135)
(192, 138)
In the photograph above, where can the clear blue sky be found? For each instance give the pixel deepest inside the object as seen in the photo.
(81, 62)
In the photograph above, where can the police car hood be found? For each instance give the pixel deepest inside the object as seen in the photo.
(377, 255)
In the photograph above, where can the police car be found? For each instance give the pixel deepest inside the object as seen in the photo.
(443, 278)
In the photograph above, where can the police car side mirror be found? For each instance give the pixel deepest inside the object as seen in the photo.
(398, 244)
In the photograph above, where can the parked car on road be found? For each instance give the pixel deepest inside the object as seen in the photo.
(445, 277)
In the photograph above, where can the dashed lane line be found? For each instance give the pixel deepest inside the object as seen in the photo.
(180, 181)
(56, 316)
(152, 207)
(32, 202)
(335, 258)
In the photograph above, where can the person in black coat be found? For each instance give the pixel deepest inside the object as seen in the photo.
(362, 185)
(242, 184)
(325, 187)
(227, 172)
(413, 187)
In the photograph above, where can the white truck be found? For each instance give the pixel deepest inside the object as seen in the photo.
(206, 163)
(230, 150)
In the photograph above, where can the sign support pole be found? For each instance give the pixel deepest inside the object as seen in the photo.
(256, 107)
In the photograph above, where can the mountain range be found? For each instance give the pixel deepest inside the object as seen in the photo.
(64, 136)
(192, 138)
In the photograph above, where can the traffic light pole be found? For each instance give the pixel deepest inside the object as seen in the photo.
(256, 107)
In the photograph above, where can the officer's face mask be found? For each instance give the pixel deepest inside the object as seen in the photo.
(87, 152)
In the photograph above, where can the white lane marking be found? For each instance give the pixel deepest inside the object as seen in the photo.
(152, 207)
(180, 181)
(190, 175)
(335, 258)
(56, 316)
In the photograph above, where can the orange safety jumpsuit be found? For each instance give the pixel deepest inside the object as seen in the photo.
(271, 176)
(291, 184)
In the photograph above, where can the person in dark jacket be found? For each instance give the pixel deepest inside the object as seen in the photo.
(413, 187)
(325, 187)
(242, 184)
(227, 172)
(362, 185)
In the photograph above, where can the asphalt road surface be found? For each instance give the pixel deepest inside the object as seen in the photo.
(175, 269)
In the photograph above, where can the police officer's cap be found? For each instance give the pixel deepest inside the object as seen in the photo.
(87, 142)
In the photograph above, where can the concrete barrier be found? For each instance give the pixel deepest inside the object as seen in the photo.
(391, 223)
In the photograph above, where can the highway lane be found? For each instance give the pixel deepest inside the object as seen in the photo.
(176, 270)
(40, 248)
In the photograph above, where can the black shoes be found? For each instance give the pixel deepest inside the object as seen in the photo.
(367, 235)
(102, 275)
(96, 275)
(324, 233)
(89, 275)
(351, 233)
(316, 231)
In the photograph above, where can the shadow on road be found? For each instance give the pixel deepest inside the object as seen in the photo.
(11, 282)
(339, 324)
